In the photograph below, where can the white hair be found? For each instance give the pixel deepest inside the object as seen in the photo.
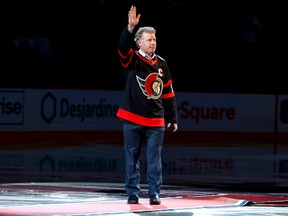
(141, 30)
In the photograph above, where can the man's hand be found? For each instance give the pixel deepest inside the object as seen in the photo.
(173, 127)
(133, 18)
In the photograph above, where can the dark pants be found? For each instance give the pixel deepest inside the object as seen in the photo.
(134, 135)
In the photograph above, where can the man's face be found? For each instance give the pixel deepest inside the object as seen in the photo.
(147, 43)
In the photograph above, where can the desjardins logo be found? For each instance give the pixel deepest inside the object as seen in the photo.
(64, 108)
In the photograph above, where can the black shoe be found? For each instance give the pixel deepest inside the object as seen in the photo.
(155, 200)
(133, 199)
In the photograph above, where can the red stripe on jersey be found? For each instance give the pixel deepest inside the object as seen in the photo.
(150, 122)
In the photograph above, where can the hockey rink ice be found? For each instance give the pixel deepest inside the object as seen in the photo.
(89, 199)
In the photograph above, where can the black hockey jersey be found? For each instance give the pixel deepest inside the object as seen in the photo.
(149, 98)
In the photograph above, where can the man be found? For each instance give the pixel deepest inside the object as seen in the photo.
(148, 103)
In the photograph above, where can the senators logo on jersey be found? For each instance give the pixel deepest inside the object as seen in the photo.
(152, 86)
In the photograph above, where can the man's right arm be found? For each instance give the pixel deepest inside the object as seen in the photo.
(126, 37)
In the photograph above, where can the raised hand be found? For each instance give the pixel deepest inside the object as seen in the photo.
(133, 18)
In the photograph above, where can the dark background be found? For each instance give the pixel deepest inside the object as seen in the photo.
(201, 41)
